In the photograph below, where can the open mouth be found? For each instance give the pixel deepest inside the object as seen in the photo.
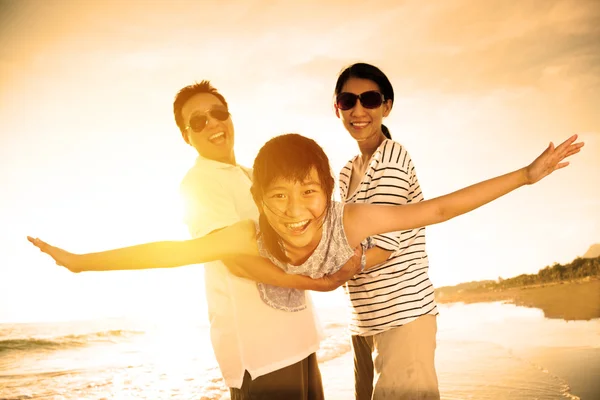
(359, 125)
(298, 227)
(217, 138)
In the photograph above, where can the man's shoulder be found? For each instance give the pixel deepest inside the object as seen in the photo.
(198, 175)
(247, 170)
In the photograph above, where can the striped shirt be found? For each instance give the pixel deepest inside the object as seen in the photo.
(397, 291)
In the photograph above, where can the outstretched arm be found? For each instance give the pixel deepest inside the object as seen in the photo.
(237, 239)
(362, 220)
(260, 269)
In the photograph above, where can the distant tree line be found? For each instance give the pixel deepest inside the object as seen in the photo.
(577, 269)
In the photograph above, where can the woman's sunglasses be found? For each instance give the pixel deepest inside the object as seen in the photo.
(199, 121)
(371, 99)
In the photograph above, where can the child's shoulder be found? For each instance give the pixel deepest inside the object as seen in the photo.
(248, 226)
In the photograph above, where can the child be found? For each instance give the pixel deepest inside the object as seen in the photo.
(300, 228)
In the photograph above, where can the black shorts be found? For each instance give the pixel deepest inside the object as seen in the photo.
(300, 381)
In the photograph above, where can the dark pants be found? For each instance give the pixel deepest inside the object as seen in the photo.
(300, 381)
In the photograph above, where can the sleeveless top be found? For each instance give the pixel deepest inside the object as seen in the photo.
(332, 252)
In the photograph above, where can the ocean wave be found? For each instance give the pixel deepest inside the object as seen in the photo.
(332, 347)
(40, 375)
(335, 325)
(64, 342)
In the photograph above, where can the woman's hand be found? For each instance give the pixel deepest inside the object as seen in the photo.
(62, 257)
(552, 159)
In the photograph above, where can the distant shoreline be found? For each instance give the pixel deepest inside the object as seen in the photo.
(569, 300)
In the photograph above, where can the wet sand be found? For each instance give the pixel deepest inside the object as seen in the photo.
(580, 367)
(574, 300)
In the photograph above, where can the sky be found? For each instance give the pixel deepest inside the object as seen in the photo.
(91, 157)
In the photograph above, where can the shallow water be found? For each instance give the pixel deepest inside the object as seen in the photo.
(485, 351)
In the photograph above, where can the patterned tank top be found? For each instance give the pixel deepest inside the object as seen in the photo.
(332, 252)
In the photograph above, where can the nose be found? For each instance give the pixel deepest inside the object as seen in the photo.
(294, 206)
(358, 109)
(211, 123)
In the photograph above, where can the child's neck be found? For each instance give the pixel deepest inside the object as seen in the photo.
(299, 255)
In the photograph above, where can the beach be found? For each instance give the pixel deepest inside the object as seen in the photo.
(579, 367)
(497, 351)
(577, 300)
(487, 351)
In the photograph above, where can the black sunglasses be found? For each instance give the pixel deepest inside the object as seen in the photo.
(370, 99)
(199, 121)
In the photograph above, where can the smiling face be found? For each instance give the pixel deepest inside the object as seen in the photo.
(363, 124)
(216, 140)
(296, 210)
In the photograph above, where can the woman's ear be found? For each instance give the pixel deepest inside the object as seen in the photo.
(337, 111)
(387, 107)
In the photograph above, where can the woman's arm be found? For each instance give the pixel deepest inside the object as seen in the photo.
(362, 220)
(260, 269)
(237, 239)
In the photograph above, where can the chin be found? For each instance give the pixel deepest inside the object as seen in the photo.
(298, 243)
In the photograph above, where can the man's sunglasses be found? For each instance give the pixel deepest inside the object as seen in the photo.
(371, 99)
(199, 121)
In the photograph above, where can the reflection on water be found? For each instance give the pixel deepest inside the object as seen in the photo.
(512, 326)
(497, 351)
(482, 370)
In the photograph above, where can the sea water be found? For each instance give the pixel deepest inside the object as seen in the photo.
(485, 351)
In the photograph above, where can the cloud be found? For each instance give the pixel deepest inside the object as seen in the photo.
(474, 46)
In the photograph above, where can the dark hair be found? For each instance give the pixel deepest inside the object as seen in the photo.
(290, 156)
(187, 93)
(372, 73)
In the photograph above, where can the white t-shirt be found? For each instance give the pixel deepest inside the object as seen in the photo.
(246, 333)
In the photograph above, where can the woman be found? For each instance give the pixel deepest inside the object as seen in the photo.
(300, 228)
(394, 310)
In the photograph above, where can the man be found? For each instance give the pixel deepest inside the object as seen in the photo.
(262, 352)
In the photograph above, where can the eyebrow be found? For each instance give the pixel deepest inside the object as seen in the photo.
(205, 110)
(305, 183)
(308, 183)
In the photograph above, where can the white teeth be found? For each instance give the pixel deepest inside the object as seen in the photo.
(359, 124)
(216, 135)
(296, 225)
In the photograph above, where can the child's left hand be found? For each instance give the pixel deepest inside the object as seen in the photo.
(552, 159)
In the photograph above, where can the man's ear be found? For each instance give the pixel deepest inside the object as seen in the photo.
(184, 134)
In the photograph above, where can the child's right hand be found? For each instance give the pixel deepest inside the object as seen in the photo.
(62, 257)
(352, 267)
